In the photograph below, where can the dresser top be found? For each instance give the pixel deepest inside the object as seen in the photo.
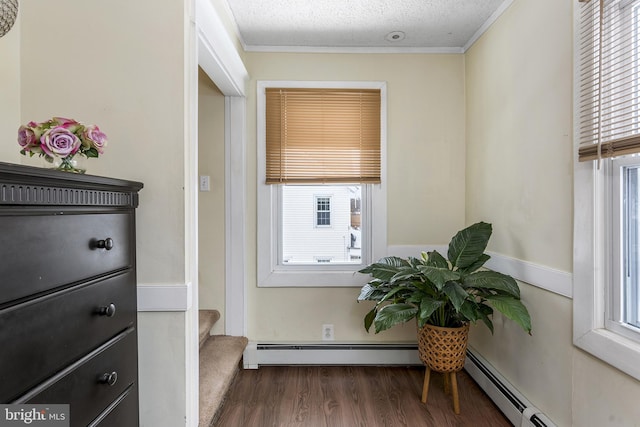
(28, 185)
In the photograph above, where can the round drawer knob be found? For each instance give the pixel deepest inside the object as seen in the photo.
(109, 310)
(109, 379)
(105, 244)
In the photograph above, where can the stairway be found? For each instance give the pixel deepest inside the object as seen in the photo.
(220, 357)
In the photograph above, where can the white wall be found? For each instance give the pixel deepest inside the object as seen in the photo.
(121, 65)
(10, 93)
(519, 177)
(162, 361)
(211, 208)
(425, 180)
(125, 75)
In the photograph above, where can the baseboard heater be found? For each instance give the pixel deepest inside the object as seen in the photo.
(511, 402)
(257, 354)
(516, 408)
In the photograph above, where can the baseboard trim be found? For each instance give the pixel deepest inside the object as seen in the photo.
(257, 354)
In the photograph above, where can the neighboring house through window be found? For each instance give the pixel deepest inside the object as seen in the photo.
(321, 189)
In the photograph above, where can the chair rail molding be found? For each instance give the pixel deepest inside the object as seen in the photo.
(164, 297)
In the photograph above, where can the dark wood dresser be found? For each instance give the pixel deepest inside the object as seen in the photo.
(68, 294)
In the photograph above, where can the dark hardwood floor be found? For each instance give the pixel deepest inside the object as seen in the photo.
(351, 396)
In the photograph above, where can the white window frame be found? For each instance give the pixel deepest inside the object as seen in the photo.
(614, 308)
(270, 272)
(595, 254)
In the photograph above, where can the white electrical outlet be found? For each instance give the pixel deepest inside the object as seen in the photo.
(327, 333)
(205, 181)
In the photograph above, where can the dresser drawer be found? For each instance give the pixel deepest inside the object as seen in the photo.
(85, 385)
(41, 252)
(122, 412)
(52, 331)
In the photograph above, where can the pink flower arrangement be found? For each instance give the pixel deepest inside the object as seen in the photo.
(61, 138)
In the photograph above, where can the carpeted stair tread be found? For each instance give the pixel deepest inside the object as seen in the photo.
(219, 362)
(206, 320)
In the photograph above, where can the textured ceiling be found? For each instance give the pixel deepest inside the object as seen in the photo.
(299, 24)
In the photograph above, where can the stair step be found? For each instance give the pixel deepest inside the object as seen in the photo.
(206, 320)
(219, 362)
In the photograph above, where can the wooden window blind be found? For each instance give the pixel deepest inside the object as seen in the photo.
(609, 122)
(322, 136)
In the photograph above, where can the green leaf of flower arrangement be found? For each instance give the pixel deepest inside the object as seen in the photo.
(91, 152)
(468, 245)
(393, 314)
(513, 309)
(494, 281)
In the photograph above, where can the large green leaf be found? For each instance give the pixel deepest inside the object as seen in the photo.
(438, 275)
(394, 314)
(457, 295)
(382, 272)
(492, 280)
(477, 264)
(469, 309)
(385, 268)
(425, 287)
(434, 259)
(427, 307)
(513, 309)
(368, 318)
(392, 293)
(468, 245)
(404, 274)
(487, 320)
(366, 292)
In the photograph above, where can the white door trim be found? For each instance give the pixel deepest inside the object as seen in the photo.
(235, 215)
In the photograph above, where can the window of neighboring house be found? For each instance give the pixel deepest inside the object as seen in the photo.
(607, 221)
(323, 211)
(321, 189)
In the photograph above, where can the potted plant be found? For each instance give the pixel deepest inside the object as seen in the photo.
(444, 295)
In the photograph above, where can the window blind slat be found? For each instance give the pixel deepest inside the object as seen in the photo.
(609, 120)
(322, 136)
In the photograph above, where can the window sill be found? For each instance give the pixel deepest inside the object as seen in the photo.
(612, 348)
(313, 278)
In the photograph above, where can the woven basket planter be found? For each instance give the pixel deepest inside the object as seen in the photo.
(443, 349)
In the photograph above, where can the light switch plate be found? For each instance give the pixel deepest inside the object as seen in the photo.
(205, 183)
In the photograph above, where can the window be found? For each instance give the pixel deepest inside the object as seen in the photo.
(318, 228)
(607, 224)
(323, 211)
(631, 243)
(321, 189)
(622, 316)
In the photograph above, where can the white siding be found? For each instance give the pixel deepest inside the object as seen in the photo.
(303, 241)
